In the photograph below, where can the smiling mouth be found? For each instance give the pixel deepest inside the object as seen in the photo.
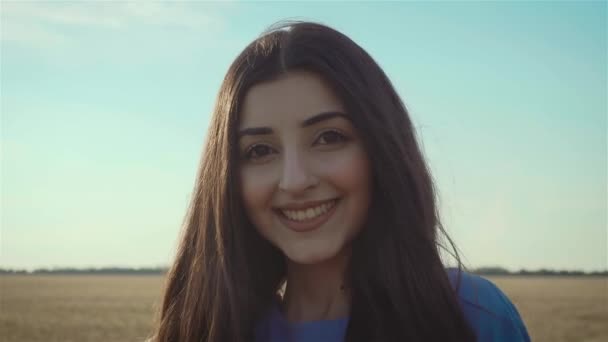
(306, 219)
(307, 214)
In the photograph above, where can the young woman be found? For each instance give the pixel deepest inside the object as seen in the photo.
(314, 214)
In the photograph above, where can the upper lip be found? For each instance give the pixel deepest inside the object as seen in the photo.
(303, 205)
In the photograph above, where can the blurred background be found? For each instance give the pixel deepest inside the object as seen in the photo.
(104, 111)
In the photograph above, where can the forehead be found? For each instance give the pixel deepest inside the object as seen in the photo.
(293, 97)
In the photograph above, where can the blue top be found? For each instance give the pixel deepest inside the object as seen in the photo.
(487, 309)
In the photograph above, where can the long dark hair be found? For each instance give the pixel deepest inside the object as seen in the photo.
(226, 276)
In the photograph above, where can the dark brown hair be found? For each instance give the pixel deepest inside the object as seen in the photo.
(226, 276)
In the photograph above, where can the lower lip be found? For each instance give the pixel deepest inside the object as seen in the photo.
(308, 225)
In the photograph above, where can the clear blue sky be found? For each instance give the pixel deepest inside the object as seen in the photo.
(105, 107)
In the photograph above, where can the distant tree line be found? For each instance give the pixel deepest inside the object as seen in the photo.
(489, 271)
(486, 271)
(104, 270)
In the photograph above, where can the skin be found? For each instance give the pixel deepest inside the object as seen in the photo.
(287, 164)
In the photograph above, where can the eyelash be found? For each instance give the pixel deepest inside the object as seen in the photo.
(342, 137)
(247, 154)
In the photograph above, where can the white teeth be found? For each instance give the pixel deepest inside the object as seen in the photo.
(308, 213)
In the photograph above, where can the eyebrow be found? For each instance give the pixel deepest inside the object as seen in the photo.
(315, 119)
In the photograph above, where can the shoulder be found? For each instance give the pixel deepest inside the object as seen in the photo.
(488, 309)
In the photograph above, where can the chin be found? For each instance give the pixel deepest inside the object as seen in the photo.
(310, 256)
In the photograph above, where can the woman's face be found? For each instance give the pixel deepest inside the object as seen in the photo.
(304, 172)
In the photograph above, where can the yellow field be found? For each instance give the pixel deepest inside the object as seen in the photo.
(120, 308)
(560, 308)
(77, 308)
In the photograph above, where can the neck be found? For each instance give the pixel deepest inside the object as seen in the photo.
(317, 291)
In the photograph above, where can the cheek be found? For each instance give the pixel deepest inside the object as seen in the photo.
(349, 172)
(257, 189)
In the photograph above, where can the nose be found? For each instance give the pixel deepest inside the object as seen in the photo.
(295, 173)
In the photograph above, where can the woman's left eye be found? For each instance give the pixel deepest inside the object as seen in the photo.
(331, 137)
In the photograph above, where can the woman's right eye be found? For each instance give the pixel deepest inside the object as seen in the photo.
(258, 152)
